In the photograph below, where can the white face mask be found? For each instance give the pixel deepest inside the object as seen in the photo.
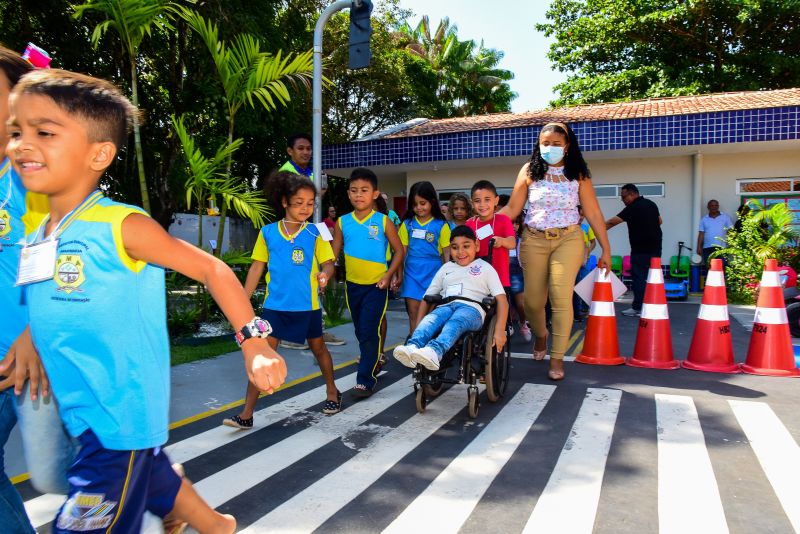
(551, 154)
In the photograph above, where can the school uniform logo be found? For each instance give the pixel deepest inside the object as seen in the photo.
(69, 273)
(86, 511)
(475, 270)
(429, 237)
(5, 223)
(373, 231)
(298, 256)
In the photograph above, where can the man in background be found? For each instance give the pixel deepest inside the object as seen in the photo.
(713, 230)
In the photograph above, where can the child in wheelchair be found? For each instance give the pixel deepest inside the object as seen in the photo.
(462, 283)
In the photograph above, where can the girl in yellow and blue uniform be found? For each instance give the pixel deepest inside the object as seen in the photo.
(299, 263)
(425, 234)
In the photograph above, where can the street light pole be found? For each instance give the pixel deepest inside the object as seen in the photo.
(316, 142)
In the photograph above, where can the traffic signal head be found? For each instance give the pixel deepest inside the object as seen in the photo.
(360, 33)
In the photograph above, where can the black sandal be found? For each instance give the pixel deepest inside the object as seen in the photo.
(331, 407)
(361, 391)
(238, 422)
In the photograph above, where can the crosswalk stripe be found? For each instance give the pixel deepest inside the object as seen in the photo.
(776, 450)
(688, 495)
(237, 478)
(192, 447)
(310, 508)
(574, 486)
(529, 356)
(41, 510)
(448, 501)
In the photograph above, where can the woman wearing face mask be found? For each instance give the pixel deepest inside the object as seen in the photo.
(550, 187)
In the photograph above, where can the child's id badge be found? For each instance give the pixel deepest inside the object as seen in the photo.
(37, 262)
(418, 233)
(484, 232)
(512, 253)
(324, 232)
(453, 290)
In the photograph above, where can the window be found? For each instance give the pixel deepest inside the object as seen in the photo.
(652, 189)
(767, 186)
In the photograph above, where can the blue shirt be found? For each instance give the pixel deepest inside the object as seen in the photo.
(101, 330)
(365, 247)
(714, 230)
(20, 211)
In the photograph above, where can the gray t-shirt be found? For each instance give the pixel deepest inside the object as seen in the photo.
(475, 281)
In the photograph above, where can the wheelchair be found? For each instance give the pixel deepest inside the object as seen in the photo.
(472, 357)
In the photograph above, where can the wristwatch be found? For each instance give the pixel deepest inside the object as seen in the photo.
(257, 327)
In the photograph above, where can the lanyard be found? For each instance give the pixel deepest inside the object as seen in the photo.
(8, 191)
(68, 219)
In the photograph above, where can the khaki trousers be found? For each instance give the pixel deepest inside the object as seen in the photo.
(550, 267)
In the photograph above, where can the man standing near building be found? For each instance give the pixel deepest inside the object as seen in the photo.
(298, 146)
(644, 233)
(712, 231)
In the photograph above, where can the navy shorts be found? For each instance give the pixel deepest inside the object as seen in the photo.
(294, 326)
(114, 488)
(517, 279)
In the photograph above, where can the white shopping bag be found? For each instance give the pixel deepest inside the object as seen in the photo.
(585, 287)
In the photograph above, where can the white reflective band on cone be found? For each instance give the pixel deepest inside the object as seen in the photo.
(713, 312)
(654, 311)
(770, 279)
(715, 278)
(771, 316)
(603, 275)
(655, 276)
(602, 309)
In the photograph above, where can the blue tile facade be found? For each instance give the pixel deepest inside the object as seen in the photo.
(771, 124)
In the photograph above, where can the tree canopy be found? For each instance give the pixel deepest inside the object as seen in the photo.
(628, 49)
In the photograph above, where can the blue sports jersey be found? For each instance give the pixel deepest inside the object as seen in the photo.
(100, 327)
(292, 266)
(365, 247)
(20, 211)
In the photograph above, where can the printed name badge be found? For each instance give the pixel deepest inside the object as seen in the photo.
(37, 262)
(484, 232)
(324, 231)
(512, 253)
(418, 233)
(453, 290)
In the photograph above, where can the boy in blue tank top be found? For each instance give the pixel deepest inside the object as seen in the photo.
(365, 235)
(94, 283)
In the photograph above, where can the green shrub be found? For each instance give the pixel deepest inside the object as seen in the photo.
(335, 304)
(182, 319)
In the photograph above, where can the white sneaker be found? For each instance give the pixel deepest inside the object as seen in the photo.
(427, 358)
(630, 312)
(525, 330)
(402, 353)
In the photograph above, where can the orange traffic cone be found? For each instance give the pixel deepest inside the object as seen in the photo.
(653, 348)
(601, 345)
(770, 352)
(712, 348)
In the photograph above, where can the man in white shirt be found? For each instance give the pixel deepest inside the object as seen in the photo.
(712, 231)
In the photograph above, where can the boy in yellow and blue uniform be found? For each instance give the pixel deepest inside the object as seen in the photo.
(94, 285)
(365, 235)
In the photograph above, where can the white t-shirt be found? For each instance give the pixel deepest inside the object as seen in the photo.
(475, 281)
(714, 228)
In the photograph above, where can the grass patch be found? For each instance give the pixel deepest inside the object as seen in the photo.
(186, 353)
(330, 323)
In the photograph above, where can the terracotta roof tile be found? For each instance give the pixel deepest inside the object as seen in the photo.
(654, 107)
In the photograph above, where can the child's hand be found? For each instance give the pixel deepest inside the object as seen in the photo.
(265, 367)
(384, 282)
(397, 281)
(499, 338)
(322, 280)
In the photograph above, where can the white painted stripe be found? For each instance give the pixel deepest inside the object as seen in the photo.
(234, 480)
(41, 510)
(449, 500)
(688, 496)
(777, 452)
(654, 311)
(655, 276)
(307, 510)
(183, 451)
(771, 316)
(713, 312)
(529, 356)
(770, 279)
(715, 279)
(601, 309)
(569, 501)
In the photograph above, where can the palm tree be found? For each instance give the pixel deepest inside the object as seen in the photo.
(132, 20)
(247, 75)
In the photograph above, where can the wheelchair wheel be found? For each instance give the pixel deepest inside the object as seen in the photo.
(472, 402)
(422, 400)
(433, 390)
(496, 365)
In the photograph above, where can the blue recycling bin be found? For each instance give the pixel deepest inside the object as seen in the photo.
(694, 278)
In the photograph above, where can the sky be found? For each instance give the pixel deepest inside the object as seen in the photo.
(508, 26)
